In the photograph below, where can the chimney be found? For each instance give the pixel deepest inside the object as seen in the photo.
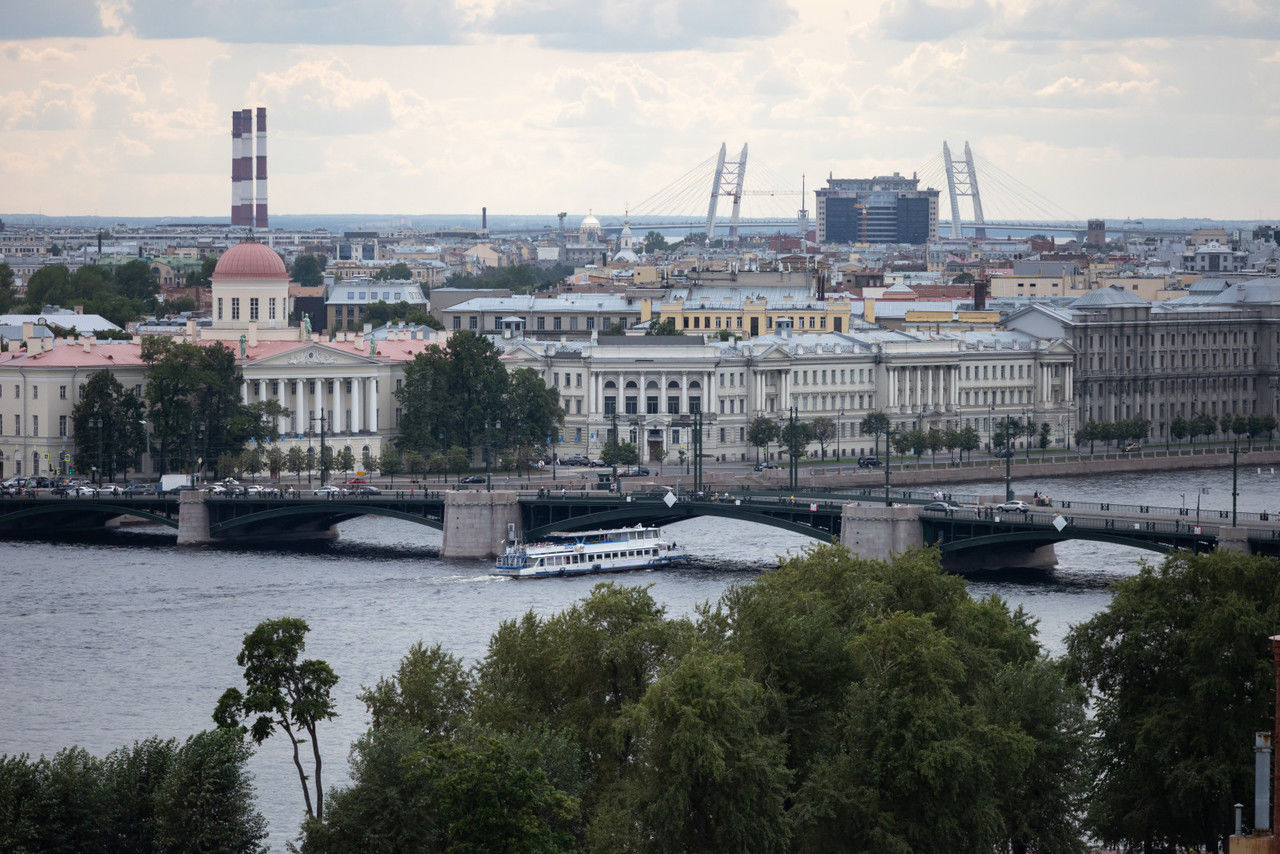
(484, 219)
(87, 342)
(191, 329)
(253, 333)
(869, 310)
(28, 335)
(235, 168)
(260, 189)
(980, 286)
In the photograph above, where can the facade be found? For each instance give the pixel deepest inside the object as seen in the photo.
(349, 382)
(568, 315)
(1213, 351)
(653, 385)
(885, 209)
(749, 312)
(346, 301)
(1214, 258)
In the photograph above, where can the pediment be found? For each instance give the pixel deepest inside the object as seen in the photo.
(312, 356)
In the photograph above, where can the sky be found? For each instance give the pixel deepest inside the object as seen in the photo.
(1115, 108)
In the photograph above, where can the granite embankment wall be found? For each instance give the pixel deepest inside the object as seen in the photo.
(988, 470)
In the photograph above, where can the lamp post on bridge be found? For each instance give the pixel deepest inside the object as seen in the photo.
(1008, 462)
(888, 461)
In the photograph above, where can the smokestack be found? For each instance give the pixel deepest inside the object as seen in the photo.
(260, 189)
(235, 168)
(246, 167)
(980, 286)
(484, 219)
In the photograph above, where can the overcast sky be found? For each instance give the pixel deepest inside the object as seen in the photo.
(1105, 107)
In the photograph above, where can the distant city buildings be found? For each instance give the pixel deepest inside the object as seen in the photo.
(885, 209)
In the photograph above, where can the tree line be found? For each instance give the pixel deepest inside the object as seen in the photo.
(120, 293)
(836, 703)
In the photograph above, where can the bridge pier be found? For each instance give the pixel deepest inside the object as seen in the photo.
(193, 518)
(477, 524)
(1010, 555)
(1233, 539)
(880, 533)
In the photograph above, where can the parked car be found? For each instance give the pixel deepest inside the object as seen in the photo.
(767, 464)
(140, 489)
(472, 478)
(1013, 507)
(575, 460)
(366, 489)
(328, 491)
(354, 481)
(1130, 447)
(86, 491)
(110, 489)
(633, 471)
(940, 507)
(42, 483)
(869, 462)
(1002, 453)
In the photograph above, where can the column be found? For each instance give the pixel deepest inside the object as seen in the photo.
(932, 373)
(339, 410)
(244, 392)
(300, 406)
(262, 390)
(357, 415)
(684, 392)
(319, 405)
(373, 404)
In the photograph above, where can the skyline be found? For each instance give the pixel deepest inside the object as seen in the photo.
(118, 108)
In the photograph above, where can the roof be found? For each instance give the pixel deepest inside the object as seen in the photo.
(250, 261)
(63, 319)
(1108, 297)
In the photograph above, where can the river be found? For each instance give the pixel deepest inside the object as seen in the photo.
(113, 640)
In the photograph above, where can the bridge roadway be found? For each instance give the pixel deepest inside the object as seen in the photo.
(974, 536)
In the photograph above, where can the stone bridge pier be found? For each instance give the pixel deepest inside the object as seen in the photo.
(478, 525)
(879, 533)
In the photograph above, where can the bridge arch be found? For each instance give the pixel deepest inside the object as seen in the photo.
(1041, 538)
(657, 513)
(316, 515)
(76, 514)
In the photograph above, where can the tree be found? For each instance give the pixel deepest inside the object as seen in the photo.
(823, 430)
(7, 297)
(414, 463)
(934, 442)
(251, 461)
(282, 692)
(275, 461)
(654, 242)
(452, 396)
(295, 460)
(430, 692)
(969, 440)
(107, 425)
(709, 775)
(308, 270)
(135, 280)
(875, 423)
(205, 801)
(531, 414)
(664, 327)
(1179, 428)
(616, 328)
(795, 436)
(50, 285)
(391, 464)
(1044, 433)
(1169, 761)
(345, 460)
(202, 278)
(760, 432)
(399, 271)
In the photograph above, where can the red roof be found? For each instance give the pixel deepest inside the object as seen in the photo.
(250, 261)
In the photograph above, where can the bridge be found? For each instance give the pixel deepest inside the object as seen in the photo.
(477, 524)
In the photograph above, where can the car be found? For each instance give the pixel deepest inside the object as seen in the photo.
(1013, 507)
(869, 462)
(472, 478)
(140, 489)
(86, 491)
(940, 507)
(110, 489)
(366, 489)
(767, 464)
(43, 483)
(354, 481)
(329, 491)
(575, 460)
(633, 471)
(1003, 453)
(1130, 447)
(216, 489)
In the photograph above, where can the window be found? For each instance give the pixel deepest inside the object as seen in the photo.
(219, 308)
(62, 392)
(235, 308)
(253, 308)
(591, 323)
(673, 404)
(35, 392)
(457, 323)
(62, 426)
(271, 309)
(473, 322)
(35, 425)
(555, 323)
(351, 295)
(542, 323)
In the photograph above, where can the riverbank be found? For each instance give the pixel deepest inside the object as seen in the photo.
(927, 474)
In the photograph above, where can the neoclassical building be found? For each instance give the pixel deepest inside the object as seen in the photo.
(350, 382)
(650, 386)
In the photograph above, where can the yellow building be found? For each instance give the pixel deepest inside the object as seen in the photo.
(729, 309)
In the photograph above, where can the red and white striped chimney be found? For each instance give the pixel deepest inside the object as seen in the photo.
(260, 189)
(246, 167)
(235, 168)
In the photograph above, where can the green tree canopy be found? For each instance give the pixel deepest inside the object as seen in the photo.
(399, 271)
(308, 270)
(1179, 665)
(761, 431)
(282, 692)
(654, 242)
(107, 425)
(873, 424)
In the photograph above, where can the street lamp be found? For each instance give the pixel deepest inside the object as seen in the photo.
(1008, 462)
(97, 423)
(839, 430)
(888, 461)
(324, 463)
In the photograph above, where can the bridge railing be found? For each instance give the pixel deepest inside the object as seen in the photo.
(1118, 525)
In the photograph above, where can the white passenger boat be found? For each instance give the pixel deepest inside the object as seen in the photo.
(582, 552)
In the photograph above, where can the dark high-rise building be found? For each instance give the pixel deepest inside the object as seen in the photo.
(885, 209)
(1096, 232)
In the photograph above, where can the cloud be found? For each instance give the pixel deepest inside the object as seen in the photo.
(640, 25)
(916, 20)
